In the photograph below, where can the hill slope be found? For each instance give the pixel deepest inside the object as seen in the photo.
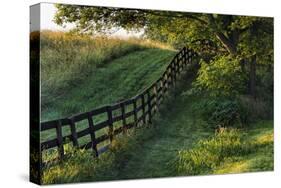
(118, 79)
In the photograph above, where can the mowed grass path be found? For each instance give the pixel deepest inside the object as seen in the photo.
(152, 152)
(175, 129)
(118, 79)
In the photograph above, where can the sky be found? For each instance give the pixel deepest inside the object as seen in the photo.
(48, 11)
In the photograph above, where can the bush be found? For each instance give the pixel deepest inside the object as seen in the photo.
(210, 153)
(239, 111)
(221, 77)
(253, 110)
(219, 112)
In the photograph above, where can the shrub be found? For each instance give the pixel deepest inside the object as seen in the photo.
(219, 112)
(221, 77)
(254, 109)
(238, 111)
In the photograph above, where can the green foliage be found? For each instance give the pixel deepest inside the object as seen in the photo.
(231, 33)
(238, 37)
(257, 37)
(253, 110)
(228, 112)
(265, 83)
(221, 77)
(219, 112)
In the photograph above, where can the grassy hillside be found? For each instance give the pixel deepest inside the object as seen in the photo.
(82, 73)
(77, 68)
(67, 59)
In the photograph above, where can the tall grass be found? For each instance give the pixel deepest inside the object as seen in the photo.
(230, 151)
(78, 167)
(67, 58)
(81, 165)
(208, 154)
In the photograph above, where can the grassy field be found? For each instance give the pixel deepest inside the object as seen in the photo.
(178, 143)
(81, 68)
(82, 73)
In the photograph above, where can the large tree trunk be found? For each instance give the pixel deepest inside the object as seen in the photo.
(252, 77)
(228, 44)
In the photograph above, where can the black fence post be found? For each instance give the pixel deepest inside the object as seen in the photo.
(60, 140)
(149, 106)
(143, 108)
(73, 133)
(110, 123)
(123, 117)
(135, 112)
(92, 133)
(162, 90)
(155, 97)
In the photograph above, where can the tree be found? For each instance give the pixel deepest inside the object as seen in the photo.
(102, 19)
(246, 39)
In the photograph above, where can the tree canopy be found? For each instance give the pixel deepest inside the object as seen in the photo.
(247, 39)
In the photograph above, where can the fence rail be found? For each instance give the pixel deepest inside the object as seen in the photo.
(143, 107)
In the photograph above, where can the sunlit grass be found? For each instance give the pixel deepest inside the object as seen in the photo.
(231, 151)
(80, 73)
(67, 59)
(81, 165)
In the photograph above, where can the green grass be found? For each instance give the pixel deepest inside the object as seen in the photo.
(76, 67)
(124, 74)
(230, 151)
(168, 146)
(260, 138)
(147, 152)
(178, 142)
(121, 79)
(124, 77)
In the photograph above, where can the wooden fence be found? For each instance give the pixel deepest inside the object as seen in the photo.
(143, 107)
